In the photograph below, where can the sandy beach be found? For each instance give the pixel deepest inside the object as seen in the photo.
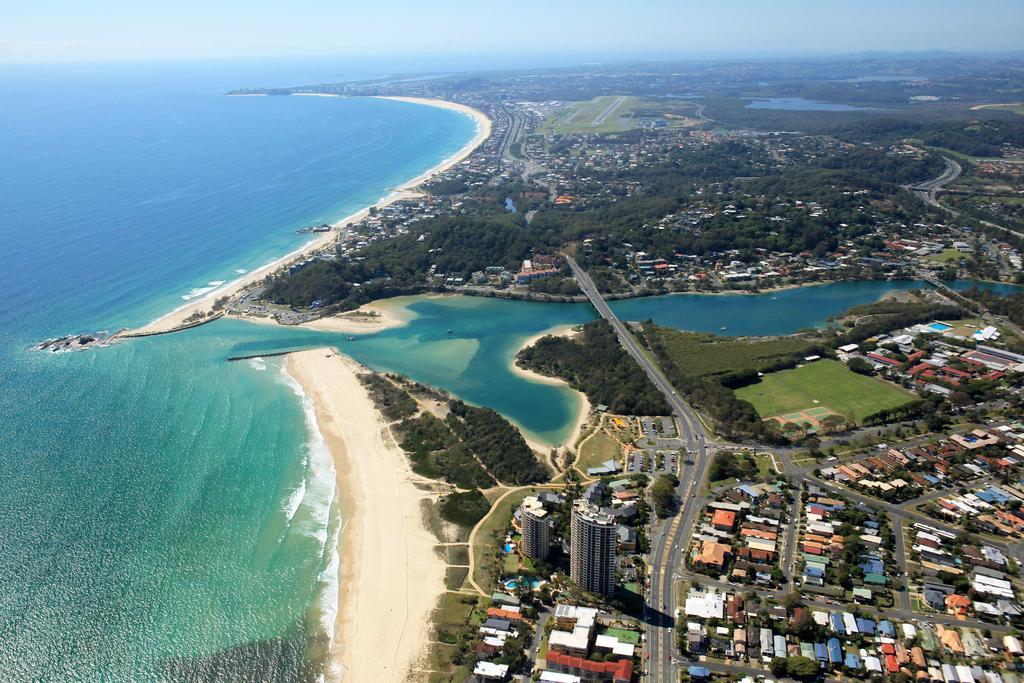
(584, 414)
(178, 316)
(367, 319)
(391, 577)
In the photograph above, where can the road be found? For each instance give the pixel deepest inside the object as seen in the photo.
(668, 538)
(515, 130)
(928, 192)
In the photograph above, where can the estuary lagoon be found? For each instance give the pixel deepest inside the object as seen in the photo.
(465, 345)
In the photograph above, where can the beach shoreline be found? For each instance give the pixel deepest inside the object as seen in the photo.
(584, 403)
(180, 316)
(390, 575)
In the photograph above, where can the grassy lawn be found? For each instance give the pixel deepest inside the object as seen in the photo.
(948, 254)
(458, 554)
(454, 609)
(595, 450)
(824, 384)
(712, 485)
(804, 460)
(702, 355)
(765, 469)
(455, 577)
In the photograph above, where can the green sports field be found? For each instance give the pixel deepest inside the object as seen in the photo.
(825, 384)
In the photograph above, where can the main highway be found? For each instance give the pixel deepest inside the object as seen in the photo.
(668, 538)
(928, 190)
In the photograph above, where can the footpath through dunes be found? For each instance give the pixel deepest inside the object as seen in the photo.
(391, 576)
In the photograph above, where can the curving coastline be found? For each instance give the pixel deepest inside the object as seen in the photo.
(584, 403)
(184, 315)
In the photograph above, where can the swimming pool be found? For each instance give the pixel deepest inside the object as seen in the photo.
(940, 327)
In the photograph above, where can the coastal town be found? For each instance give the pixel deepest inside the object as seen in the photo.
(834, 503)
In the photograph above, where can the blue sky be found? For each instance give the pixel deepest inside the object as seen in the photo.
(83, 30)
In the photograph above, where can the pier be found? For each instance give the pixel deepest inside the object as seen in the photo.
(249, 356)
(126, 334)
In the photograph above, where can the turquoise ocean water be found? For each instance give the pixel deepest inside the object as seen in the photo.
(168, 515)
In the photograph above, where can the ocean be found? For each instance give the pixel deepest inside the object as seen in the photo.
(168, 515)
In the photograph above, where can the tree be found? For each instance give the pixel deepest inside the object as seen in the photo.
(802, 668)
(779, 666)
(833, 423)
(663, 494)
(860, 366)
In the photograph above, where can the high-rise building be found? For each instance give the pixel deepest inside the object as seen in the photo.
(535, 524)
(592, 552)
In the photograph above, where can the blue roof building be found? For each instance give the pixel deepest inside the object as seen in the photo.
(820, 652)
(872, 566)
(837, 623)
(748, 491)
(852, 661)
(835, 651)
(886, 628)
(866, 626)
(698, 673)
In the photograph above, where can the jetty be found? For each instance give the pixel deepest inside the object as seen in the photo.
(269, 354)
(126, 334)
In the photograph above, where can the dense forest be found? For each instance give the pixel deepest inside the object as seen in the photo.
(497, 443)
(455, 245)
(488, 235)
(979, 133)
(394, 403)
(597, 365)
(1011, 306)
(739, 466)
(464, 508)
(436, 453)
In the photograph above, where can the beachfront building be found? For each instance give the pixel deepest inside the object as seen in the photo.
(536, 528)
(592, 553)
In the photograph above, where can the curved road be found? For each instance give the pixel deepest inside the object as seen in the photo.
(928, 192)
